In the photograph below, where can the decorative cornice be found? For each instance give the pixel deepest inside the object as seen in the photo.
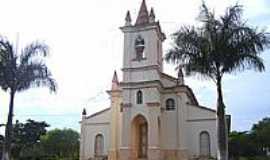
(98, 123)
(154, 147)
(140, 27)
(126, 105)
(203, 119)
(142, 83)
(153, 104)
(139, 59)
(141, 68)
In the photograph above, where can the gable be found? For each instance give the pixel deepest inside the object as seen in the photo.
(167, 80)
(102, 116)
(200, 113)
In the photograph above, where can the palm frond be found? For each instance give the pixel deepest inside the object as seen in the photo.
(242, 62)
(32, 50)
(220, 45)
(21, 72)
(35, 74)
(6, 46)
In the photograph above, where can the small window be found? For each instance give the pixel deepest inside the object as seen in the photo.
(139, 47)
(170, 104)
(99, 145)
(139, 97)
(204, 144)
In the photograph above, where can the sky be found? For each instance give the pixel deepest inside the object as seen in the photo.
(86, 46)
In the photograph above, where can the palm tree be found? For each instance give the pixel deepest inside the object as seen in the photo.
(19, 73)
(219, 46)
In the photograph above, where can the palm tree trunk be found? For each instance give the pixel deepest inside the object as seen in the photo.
(221, 125)
(8, 130)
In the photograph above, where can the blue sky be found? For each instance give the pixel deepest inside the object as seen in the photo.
(86, 46)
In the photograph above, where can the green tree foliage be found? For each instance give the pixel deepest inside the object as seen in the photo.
(261, 133)
(220, 45)
(241, 145)
(31, 141)
(20, 72)
(26, 137)
(251, 144)
(1, 144)
(63, 144)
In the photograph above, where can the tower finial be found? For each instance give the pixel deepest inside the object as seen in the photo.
(152, 16)
(115, 82)
(143, 17)
(180, 76)
(115, 77)
(84, 112)
(128, 19)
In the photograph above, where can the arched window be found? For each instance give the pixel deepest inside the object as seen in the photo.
(139, 47)
(204, 144)
(170, 104)
(139, 97)
(99, 145)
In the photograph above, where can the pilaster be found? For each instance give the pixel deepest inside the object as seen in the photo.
(82, 138)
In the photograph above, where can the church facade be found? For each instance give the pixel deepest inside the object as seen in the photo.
(152, 115)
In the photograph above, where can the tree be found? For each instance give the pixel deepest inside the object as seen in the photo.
(26, 137)
(19, 73)
(252, 144)
(242, 144)
(219, 46)
(61, 143)
(1, 144)
(261, 134)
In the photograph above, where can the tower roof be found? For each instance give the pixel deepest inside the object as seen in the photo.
(143, 17)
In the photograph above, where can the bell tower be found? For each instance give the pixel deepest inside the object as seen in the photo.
(141, 84)
(142, 44)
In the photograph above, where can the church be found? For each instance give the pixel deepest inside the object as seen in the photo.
(152, 115)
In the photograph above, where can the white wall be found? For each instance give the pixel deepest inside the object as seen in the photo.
(193, 132)
(169, 124)
(98, 124)
(201, 119)
(141, 76)
(196, 112)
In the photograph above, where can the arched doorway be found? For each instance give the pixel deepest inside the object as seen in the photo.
(99, 145)
(204, 144)
(139, 137)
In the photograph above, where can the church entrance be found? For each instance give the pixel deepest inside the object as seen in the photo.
(139, 137)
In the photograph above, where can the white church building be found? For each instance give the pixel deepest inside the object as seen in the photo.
(152, 116)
